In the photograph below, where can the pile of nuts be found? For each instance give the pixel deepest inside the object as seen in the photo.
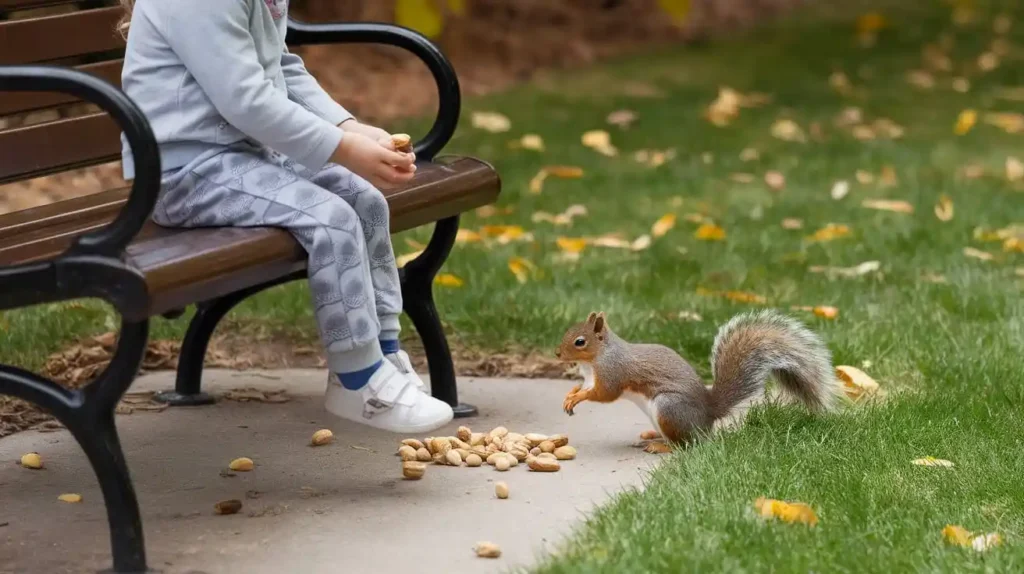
(499, 448)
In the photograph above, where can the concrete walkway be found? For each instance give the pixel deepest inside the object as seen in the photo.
(337, 508)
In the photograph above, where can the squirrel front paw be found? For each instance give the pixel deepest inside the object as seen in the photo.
(572, 399)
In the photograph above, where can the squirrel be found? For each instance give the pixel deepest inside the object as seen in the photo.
(747, 350)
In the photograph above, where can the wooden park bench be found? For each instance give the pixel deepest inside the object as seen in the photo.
(104, 245)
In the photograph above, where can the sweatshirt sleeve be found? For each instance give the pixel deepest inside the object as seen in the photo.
(304, 89)
(212, 39)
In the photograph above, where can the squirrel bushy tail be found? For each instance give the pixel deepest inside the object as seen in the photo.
(753, 346)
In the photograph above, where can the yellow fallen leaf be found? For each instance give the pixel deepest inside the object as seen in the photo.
(791, 512)
(895, 205)
(944, 208)
(599, 141)
(653, 158)
(1011, 123)
(403, 260)
(1014, 169)
(571, 244)
(641, 243)
(695, 218)
(491, 121)
(70, 497)
(709, 232)
(932, 461)
(1015, 244)
(744, 297)
(610, 240)
(965, 121)
(448, 280)
(856, 382)
(826, 312)
(788, 130)
(978, 254)
(561, 171)
(467, 236)
(956, 535)
(689, 316)
(663, 225)
(521, 268)
(749, 154)
(537, 182)
(775, 180)
(420, 15)
(830, 232)
(621, 118)
(513, 231)
(792, 223)
(678, 10)
(870, 22)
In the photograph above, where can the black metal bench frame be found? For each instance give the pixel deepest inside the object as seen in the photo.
(93, 267)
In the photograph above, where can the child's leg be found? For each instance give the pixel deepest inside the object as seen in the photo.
(241, 188)
(372, 209)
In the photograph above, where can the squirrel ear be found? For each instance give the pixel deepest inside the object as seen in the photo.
(591, 317)
(599, 323)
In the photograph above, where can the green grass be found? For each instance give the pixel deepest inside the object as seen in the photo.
(948, 353)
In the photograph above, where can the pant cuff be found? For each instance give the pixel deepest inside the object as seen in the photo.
(390, 328)
(355, 359)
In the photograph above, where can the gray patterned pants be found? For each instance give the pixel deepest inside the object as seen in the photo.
(340, 219)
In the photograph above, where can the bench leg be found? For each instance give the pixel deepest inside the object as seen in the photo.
(187, 386)
(418, 295)
(89, 415)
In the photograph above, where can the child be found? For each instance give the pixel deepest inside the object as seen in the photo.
(248, 138)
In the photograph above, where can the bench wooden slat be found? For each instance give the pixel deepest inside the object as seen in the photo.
(61, 36)
(11, 5)
(64, 144)
(184, 266)
(17, 102)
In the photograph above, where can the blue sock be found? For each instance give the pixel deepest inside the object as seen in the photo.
(389, 346)
(357, 380)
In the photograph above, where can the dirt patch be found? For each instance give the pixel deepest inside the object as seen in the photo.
(80, 364)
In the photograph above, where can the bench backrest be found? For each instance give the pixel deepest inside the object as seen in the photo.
(81, 34)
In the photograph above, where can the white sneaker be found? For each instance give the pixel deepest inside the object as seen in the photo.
(389, 401)
(401, 361)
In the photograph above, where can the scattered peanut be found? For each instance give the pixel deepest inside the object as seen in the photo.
(544, 465)
(566, 452)
(547, 446)
(477, 439)
(241, 464)
(407, 452)
(512, 461)
(70, 497)
(474, 460)
(464, 434)
(227, 506)
(487, 550)
(649, 435)
(413, 470)
(413, 443)
(401, 142)
(32, 460)
(559, 440)
(498, 432)
(492, 458)
(535, 450)
(501, 490)
(322, 437)
(463, 453)
(502, 464)
(423, 455)
(440, 446)
(453, 458)
(547, 456)
(535, 439)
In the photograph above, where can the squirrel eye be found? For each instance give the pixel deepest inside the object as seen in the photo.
(580, 341)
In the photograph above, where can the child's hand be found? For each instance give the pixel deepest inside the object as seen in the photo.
(379, 164)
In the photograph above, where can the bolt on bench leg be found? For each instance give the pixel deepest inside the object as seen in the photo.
(418, 296)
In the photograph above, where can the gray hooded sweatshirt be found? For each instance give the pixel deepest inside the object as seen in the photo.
(209, 73)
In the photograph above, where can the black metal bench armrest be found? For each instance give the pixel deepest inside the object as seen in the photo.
(113, 238)
(449, 97)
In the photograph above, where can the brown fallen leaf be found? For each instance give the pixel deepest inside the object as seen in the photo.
(532, 142)
(944, 208)
(775, 180)
(739, 296)
(988, 61)
(664, 224)
(865, 177)
(561, 171)
(621, 118)
(894, 205)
